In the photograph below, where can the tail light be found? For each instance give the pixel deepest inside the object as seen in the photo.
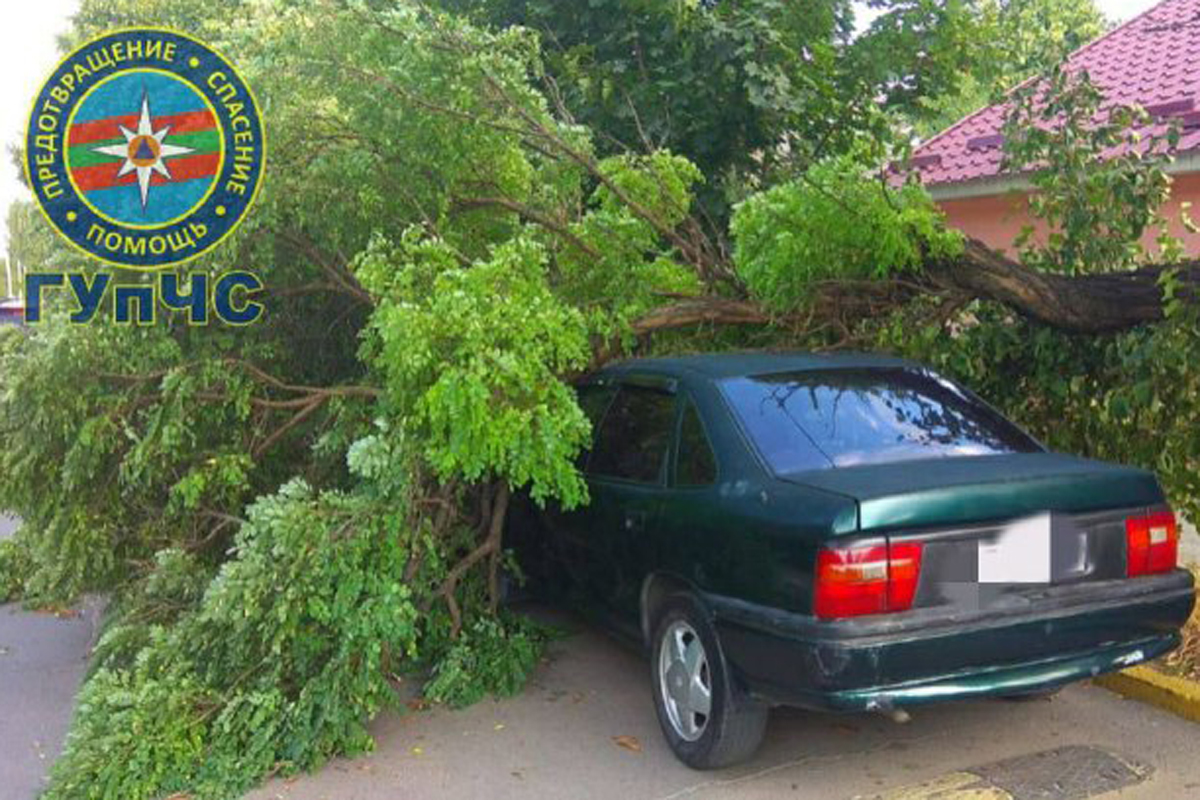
(1151, 544)
(872, 579)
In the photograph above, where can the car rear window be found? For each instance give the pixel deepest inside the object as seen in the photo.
(844, 417)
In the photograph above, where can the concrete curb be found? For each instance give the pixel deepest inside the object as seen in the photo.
(1177, 695)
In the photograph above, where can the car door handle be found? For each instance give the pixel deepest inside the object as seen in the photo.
(635, 521)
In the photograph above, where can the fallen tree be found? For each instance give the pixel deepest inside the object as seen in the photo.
(290, 515)
(1093, 303)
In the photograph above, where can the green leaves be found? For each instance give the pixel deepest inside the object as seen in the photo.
(276, 665)
(836, 223)
(1005, 42)
(472, 357)
(16, 564)
(1098, 183)
(493, 656)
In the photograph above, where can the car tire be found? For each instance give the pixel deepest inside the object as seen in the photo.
(686, 659)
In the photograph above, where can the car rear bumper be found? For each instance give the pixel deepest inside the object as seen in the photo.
(1065, 634)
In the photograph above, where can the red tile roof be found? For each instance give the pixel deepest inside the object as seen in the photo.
(1152, 60)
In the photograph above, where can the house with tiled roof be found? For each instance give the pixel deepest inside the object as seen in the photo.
(1153, 60)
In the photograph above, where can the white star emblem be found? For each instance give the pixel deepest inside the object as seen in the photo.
(144, 151)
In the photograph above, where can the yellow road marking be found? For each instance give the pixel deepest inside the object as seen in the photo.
(951, 786)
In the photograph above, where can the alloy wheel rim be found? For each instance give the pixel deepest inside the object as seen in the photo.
(685, 681)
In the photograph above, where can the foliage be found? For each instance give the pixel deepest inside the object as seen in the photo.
(745, 89)
(470, 359)
(173, 587)
(1010, 42)
(622, 269)
(144, 461)
(914, 52)
(276, 666)
(493, 656)
(1098, 181)
(1024, 38)
(834, 223)
(15, 566)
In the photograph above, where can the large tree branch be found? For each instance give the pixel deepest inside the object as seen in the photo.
(700, 310)
(1096, 303)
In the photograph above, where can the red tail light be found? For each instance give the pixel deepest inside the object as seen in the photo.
(1151, 544)
(874, 579)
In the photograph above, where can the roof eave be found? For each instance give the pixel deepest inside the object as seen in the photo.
(994, 185)
(989, 186)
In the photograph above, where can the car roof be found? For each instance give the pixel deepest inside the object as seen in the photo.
(732, 365)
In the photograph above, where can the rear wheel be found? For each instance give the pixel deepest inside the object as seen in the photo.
(705, 719)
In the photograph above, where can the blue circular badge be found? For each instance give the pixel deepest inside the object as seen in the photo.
(145, 148)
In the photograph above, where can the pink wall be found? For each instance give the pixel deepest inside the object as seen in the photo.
(996, 220)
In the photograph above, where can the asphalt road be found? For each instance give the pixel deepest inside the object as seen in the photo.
(42, 659)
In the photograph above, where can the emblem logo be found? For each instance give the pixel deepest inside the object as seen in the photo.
(145, 148)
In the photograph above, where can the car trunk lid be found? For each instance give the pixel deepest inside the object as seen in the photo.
(1000, 531)
(974, 489)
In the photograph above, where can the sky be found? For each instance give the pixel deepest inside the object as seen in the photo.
(28, 53)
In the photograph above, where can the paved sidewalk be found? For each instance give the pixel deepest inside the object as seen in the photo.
(556, 740)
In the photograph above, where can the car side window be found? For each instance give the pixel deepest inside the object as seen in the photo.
(593, 399)
(695, 463)
(634, 436)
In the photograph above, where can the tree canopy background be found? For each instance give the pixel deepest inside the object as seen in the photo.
(468, 205)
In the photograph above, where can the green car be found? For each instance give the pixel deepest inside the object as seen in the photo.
(847, 533)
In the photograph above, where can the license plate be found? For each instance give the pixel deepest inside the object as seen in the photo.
(1020, 554)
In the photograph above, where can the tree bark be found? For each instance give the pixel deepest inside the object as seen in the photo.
(1089, 304)
(1098, 303)
(697, 310)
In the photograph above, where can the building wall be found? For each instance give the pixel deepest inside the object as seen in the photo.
(998, 219)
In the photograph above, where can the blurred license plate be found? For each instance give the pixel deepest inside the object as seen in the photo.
(1020, 554)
